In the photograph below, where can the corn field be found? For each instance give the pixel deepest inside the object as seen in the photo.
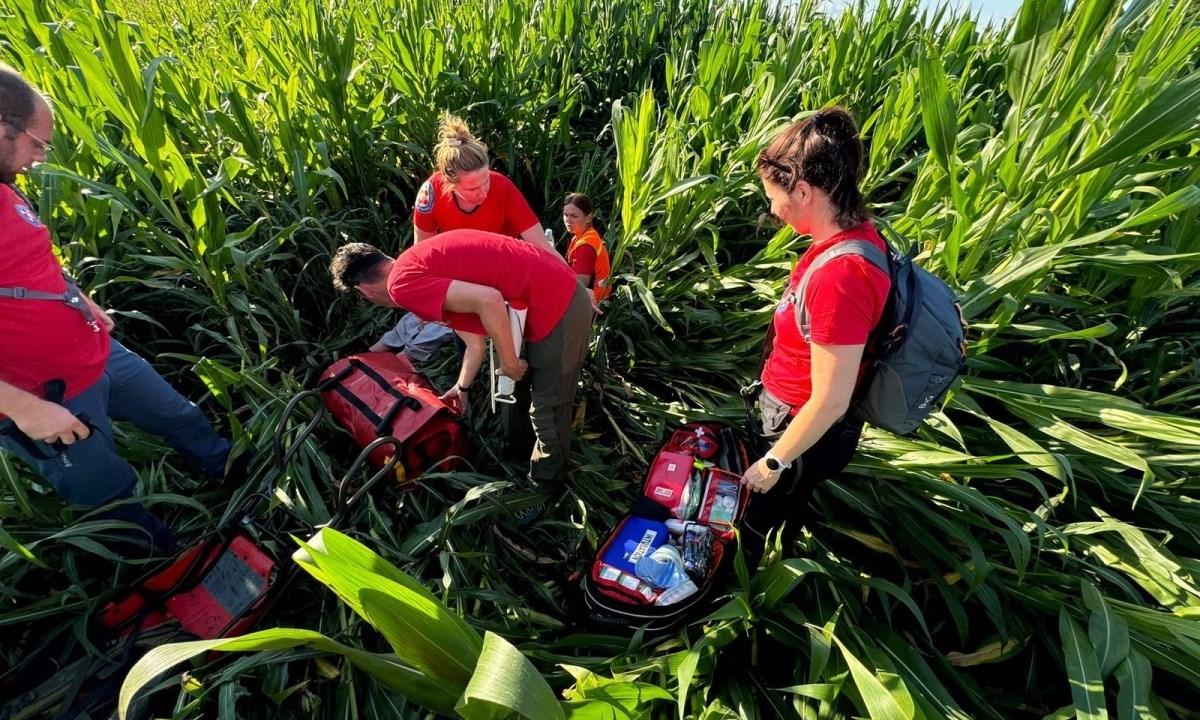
(1033, 551)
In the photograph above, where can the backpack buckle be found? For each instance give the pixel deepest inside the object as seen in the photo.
(751, 390)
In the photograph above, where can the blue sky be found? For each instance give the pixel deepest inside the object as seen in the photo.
(997, 10)
(987, 9)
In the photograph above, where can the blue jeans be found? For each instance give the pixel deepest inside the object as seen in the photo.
(91, 472)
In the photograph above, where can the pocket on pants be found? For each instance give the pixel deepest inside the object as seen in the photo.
(774, 412)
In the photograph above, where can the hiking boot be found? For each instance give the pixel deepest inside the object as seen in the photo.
(532, 501)
(529, 515)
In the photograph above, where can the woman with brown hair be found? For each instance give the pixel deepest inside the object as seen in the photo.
(810, 173)
(586, 253)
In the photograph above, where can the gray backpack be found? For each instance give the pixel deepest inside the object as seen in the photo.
(915, 351)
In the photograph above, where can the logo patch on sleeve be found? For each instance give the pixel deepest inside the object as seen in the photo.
(425, 198)
(27, 214)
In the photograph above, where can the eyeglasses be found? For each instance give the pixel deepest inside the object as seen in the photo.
(40, 144)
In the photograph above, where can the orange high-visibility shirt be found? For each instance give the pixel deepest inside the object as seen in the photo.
(598, 267)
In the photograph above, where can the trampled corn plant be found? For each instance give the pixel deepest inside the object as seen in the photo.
(438, 660)
(973, 219)
(1046, 168)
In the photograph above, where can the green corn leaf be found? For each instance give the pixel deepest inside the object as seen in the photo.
(1063, 713)
(386, 669)
(1107, 630)
(1133, 698)
(505, 685)
(881, 703)
(597, 698)
(1025, 447)
(1031, 48)
(825, 692)
(8, 542)
(776, 582)
(686, 674)
(937, 110)
(1171, 117)
(1177, 202)
(1083, 670)
(918, 674)
(820, 647)
(419, 627)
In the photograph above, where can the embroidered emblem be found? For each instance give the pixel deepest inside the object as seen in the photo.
(784, 305)
(425, 198)
(27, 215)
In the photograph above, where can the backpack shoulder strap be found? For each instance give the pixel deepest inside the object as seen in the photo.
(20, 293)
(862, 248)
(72, 298)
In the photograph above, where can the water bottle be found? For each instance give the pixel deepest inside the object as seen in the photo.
(550, 237)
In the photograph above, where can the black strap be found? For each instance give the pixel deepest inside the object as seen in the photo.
(358, 404)
(886, 332)
(72, 298)
(382, 424)
(380, 380)
(332, 380)
(20, 293)
(862, 248)
(750, 392)
(383, 427)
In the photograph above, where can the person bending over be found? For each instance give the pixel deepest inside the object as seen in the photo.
(464, 278)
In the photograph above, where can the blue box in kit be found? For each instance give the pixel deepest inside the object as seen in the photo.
(697, 457)
(637, 537)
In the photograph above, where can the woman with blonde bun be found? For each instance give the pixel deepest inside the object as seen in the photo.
(466, 193)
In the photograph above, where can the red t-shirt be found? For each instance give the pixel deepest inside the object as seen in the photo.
(40, 340)
(844, 300)
(522, 272)
(583, 259)
(503, 211)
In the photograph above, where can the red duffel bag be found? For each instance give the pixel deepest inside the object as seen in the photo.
(376, 394)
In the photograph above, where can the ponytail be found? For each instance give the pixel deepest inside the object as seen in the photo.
(825, 151)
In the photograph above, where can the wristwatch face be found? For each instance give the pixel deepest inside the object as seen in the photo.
(772, 464)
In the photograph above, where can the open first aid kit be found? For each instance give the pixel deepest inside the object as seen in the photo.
(660, 562)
